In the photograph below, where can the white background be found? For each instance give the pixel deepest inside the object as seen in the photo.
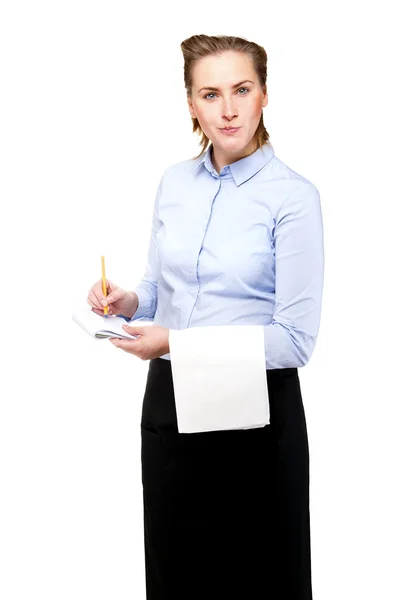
(93, 110)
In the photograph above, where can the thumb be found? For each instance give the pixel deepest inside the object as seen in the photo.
(134, 329)
(110, 285)
(114, 294)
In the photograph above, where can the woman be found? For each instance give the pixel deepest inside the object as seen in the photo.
(237, 238)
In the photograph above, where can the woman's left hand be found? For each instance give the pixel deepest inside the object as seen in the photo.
(152, 343)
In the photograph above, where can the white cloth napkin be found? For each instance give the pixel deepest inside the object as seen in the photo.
(219, 377)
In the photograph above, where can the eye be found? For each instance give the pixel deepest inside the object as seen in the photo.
(212, 93)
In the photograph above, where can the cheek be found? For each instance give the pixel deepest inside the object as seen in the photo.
(206, 120)
(204, 115)
(257, 108)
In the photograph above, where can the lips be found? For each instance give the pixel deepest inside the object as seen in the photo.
(230, 131)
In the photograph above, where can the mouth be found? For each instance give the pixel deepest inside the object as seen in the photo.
(229, 130)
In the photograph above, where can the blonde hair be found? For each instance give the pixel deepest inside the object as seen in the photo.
(198, 46)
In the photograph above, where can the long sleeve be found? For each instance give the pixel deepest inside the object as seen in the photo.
(299, 254)
(147, 289)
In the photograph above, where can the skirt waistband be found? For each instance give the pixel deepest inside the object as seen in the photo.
(159, 407)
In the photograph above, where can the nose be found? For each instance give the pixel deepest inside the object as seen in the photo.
(229, 111)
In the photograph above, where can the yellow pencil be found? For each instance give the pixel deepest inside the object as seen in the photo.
(104, 284)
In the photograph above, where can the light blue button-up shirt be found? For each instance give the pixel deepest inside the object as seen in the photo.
(241, 248)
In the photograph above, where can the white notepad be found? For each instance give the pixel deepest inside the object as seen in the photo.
(219, 378)
(101, 327)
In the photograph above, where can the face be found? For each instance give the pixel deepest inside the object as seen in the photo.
(229, 105)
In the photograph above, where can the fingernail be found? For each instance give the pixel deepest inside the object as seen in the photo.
(110, 299)
(103, 302)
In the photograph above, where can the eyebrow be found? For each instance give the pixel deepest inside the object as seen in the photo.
(232, 87)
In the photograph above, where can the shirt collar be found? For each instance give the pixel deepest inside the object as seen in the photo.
(242, 169)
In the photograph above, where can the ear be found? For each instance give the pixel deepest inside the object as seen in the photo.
(265, 99)
(191, 108)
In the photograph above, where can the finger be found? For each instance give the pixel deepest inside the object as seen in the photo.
(92, 300)
(97, 292)
(100, 296)
(127, 345)
(93, 304)
(95, 296)
(96, 306)
(100, 311)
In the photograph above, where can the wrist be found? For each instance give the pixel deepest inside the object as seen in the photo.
(133, 305)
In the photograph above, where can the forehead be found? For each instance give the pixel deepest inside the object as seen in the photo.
(222, 69)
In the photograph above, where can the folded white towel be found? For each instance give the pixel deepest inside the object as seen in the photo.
(219, 377)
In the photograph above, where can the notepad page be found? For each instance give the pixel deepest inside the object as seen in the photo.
(96, 324)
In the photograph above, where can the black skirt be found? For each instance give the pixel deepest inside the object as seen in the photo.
(226, 513)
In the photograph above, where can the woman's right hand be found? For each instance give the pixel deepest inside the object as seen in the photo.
(118, 300)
